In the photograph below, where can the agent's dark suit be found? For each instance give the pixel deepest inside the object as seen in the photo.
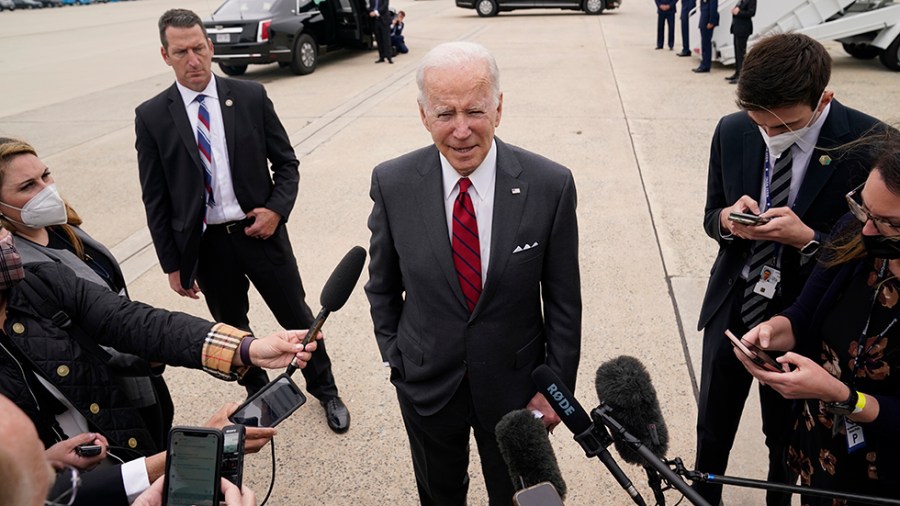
(382, 27)
(528, 314)
(709, 14)
(224, 259)
(736, 168)
(742, 28)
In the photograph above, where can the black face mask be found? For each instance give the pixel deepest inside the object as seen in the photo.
(879, 246)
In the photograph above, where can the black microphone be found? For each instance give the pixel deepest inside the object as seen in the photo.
(593, 439)
(623, 384)
(335, 293)
(526, 449)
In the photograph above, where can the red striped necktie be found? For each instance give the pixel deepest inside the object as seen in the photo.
(466, 247)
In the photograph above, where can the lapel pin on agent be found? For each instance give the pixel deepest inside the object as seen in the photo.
(515, 191)
(825, 160)
(229, 102)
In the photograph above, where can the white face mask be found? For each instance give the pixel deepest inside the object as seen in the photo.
(44, 209)
(778, 144)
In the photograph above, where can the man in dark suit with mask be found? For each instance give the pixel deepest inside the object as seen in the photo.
(215, 209)
(775, 158)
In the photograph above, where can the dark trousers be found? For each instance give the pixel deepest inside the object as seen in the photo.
(664, 18)
(229, 262)
(740, 49)
(724, 386)
(440, 452)
(383, 39)
(705, 45)
(686, 6)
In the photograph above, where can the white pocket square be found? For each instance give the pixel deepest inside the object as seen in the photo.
(526, 247)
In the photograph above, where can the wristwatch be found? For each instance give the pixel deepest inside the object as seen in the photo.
(854, 404)
(812, 247)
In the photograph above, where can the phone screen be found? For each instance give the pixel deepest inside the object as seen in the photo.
(232, 439)
(192, 469)
(542, 494)
(275, 402)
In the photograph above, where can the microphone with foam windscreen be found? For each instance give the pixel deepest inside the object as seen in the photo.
(335, 293)
(623, 384)
(593, 439)
(526, 449)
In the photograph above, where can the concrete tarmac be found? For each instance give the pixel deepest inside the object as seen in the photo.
(633, 124)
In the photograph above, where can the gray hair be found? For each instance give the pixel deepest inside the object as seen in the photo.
(178, 18)
(459, 53)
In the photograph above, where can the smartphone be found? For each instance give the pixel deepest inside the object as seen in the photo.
(748, 218)
(542, 494)
(268, 407)
(756, 355)
(233, 454)
(193, 467)
(88, 450)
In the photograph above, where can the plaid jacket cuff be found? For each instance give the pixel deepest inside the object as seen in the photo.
(219, 348)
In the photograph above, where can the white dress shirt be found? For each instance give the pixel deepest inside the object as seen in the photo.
(483, 179)
(227, 208)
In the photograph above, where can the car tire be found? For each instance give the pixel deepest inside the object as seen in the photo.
(305, 56)
(233, 70)
(861, 51)
(593, 7)
(890, 57)
(486, 8)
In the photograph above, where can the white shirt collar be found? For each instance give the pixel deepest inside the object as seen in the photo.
(810, 137)
(482, 178)
(188, 95)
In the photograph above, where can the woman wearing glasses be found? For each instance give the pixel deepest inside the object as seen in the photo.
(843, 342)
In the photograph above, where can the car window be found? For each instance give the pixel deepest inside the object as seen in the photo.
(250, 8)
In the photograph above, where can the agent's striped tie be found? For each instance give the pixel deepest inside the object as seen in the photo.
(466, 247)
(203, 144)
(754, 307)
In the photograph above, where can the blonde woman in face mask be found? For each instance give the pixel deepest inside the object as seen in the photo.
(32, 209)
(47, 229)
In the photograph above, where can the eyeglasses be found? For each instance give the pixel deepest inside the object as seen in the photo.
(884, 227)
(67, 496)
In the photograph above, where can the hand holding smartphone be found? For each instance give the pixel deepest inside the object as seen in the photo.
(748, 219)
(756, 355)
(193, 467)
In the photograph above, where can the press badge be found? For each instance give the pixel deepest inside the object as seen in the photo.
(855, 437)
(769, 278)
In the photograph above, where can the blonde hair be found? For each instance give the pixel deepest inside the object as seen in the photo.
(9, 150)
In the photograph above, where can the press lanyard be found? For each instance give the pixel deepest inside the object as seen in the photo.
(861, 342)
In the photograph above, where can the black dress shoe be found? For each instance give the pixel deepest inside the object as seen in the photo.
(337, 414)
(380, 60)
(658, 47)
(699, 70)
(732, 77)
(684, 53)
(390, 61)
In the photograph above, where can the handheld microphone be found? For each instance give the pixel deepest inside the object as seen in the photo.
(526, 449)
(623, 384)
(335, 293)
(593, 439)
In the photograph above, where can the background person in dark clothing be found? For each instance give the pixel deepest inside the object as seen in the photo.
(665, 15)
(382, 28)
(709, 20)
(686, 7)
(742, 28)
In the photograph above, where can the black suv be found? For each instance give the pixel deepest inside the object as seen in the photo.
(492, 7)
(290, 32)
